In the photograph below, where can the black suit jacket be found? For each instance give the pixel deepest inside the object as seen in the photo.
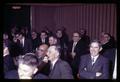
(81, 48)
(110, 54)
(27, 46)
(46, 41)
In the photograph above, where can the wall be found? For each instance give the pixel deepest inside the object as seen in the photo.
(95, 18)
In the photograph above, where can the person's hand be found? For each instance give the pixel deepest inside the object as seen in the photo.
(73, 54)
(45, 59)
(5, 51)
(98, 74)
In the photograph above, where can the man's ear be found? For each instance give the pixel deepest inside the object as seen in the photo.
(36, 69)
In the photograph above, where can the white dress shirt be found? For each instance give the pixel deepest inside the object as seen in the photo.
(95, 58)
(73, 47)
(53, 63)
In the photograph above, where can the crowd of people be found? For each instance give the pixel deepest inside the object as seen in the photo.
(52, 55)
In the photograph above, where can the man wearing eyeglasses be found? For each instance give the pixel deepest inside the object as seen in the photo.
(77, 47)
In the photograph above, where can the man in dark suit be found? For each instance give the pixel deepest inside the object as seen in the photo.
(84, 36)
(59, 68)
(25, 43)
(110, 54)
(63, 42)
(107, 41)
(43, 38)
(77, 48)
(35, 40)
(27, 68)
(94, 65)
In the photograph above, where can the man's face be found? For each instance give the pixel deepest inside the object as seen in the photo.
(43, 35)
(82, 32)
(94, 49)
(34, 35)
(106, 38)
(52, 41)
(42, 50)
(59, 34)
(25, 71)
(51, 53)
(76, 37)
(5, 36)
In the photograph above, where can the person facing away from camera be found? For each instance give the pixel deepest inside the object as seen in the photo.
(27, 68)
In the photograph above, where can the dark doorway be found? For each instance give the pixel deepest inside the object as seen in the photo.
(16, 17)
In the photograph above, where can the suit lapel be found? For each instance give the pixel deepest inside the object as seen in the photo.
(52, 71)
(89, 66)
(96, 63)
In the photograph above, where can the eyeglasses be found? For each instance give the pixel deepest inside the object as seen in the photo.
(75, 36)
(40, 50)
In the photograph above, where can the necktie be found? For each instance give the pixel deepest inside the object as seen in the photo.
(51, 66)
(93, 60)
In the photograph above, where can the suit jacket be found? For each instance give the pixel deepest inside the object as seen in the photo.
(14, 75)
(110, 54)
(35, 44)
(61, 70)
(18, 49)
(88, 71)
(80, 49)
(8, 63)
(27, 46)
(46, 41)
(44, 67)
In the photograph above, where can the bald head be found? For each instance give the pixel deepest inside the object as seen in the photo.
(42, 50)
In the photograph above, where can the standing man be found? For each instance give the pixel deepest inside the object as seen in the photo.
(43, 38)
(59, 68)
(94, 65)
(77, 47)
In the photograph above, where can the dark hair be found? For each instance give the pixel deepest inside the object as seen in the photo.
(20, 33)
(96, 41)
(54, 36)
(43, 31)
(29, 59)
(77, 33)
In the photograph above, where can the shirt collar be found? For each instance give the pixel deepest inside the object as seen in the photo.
(95, 57)
(53, 62)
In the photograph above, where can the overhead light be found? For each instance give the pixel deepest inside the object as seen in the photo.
(16, 7)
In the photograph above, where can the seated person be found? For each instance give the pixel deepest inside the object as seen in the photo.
(60, 69)
(27, 68)
(43, 66)
(94, 65)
